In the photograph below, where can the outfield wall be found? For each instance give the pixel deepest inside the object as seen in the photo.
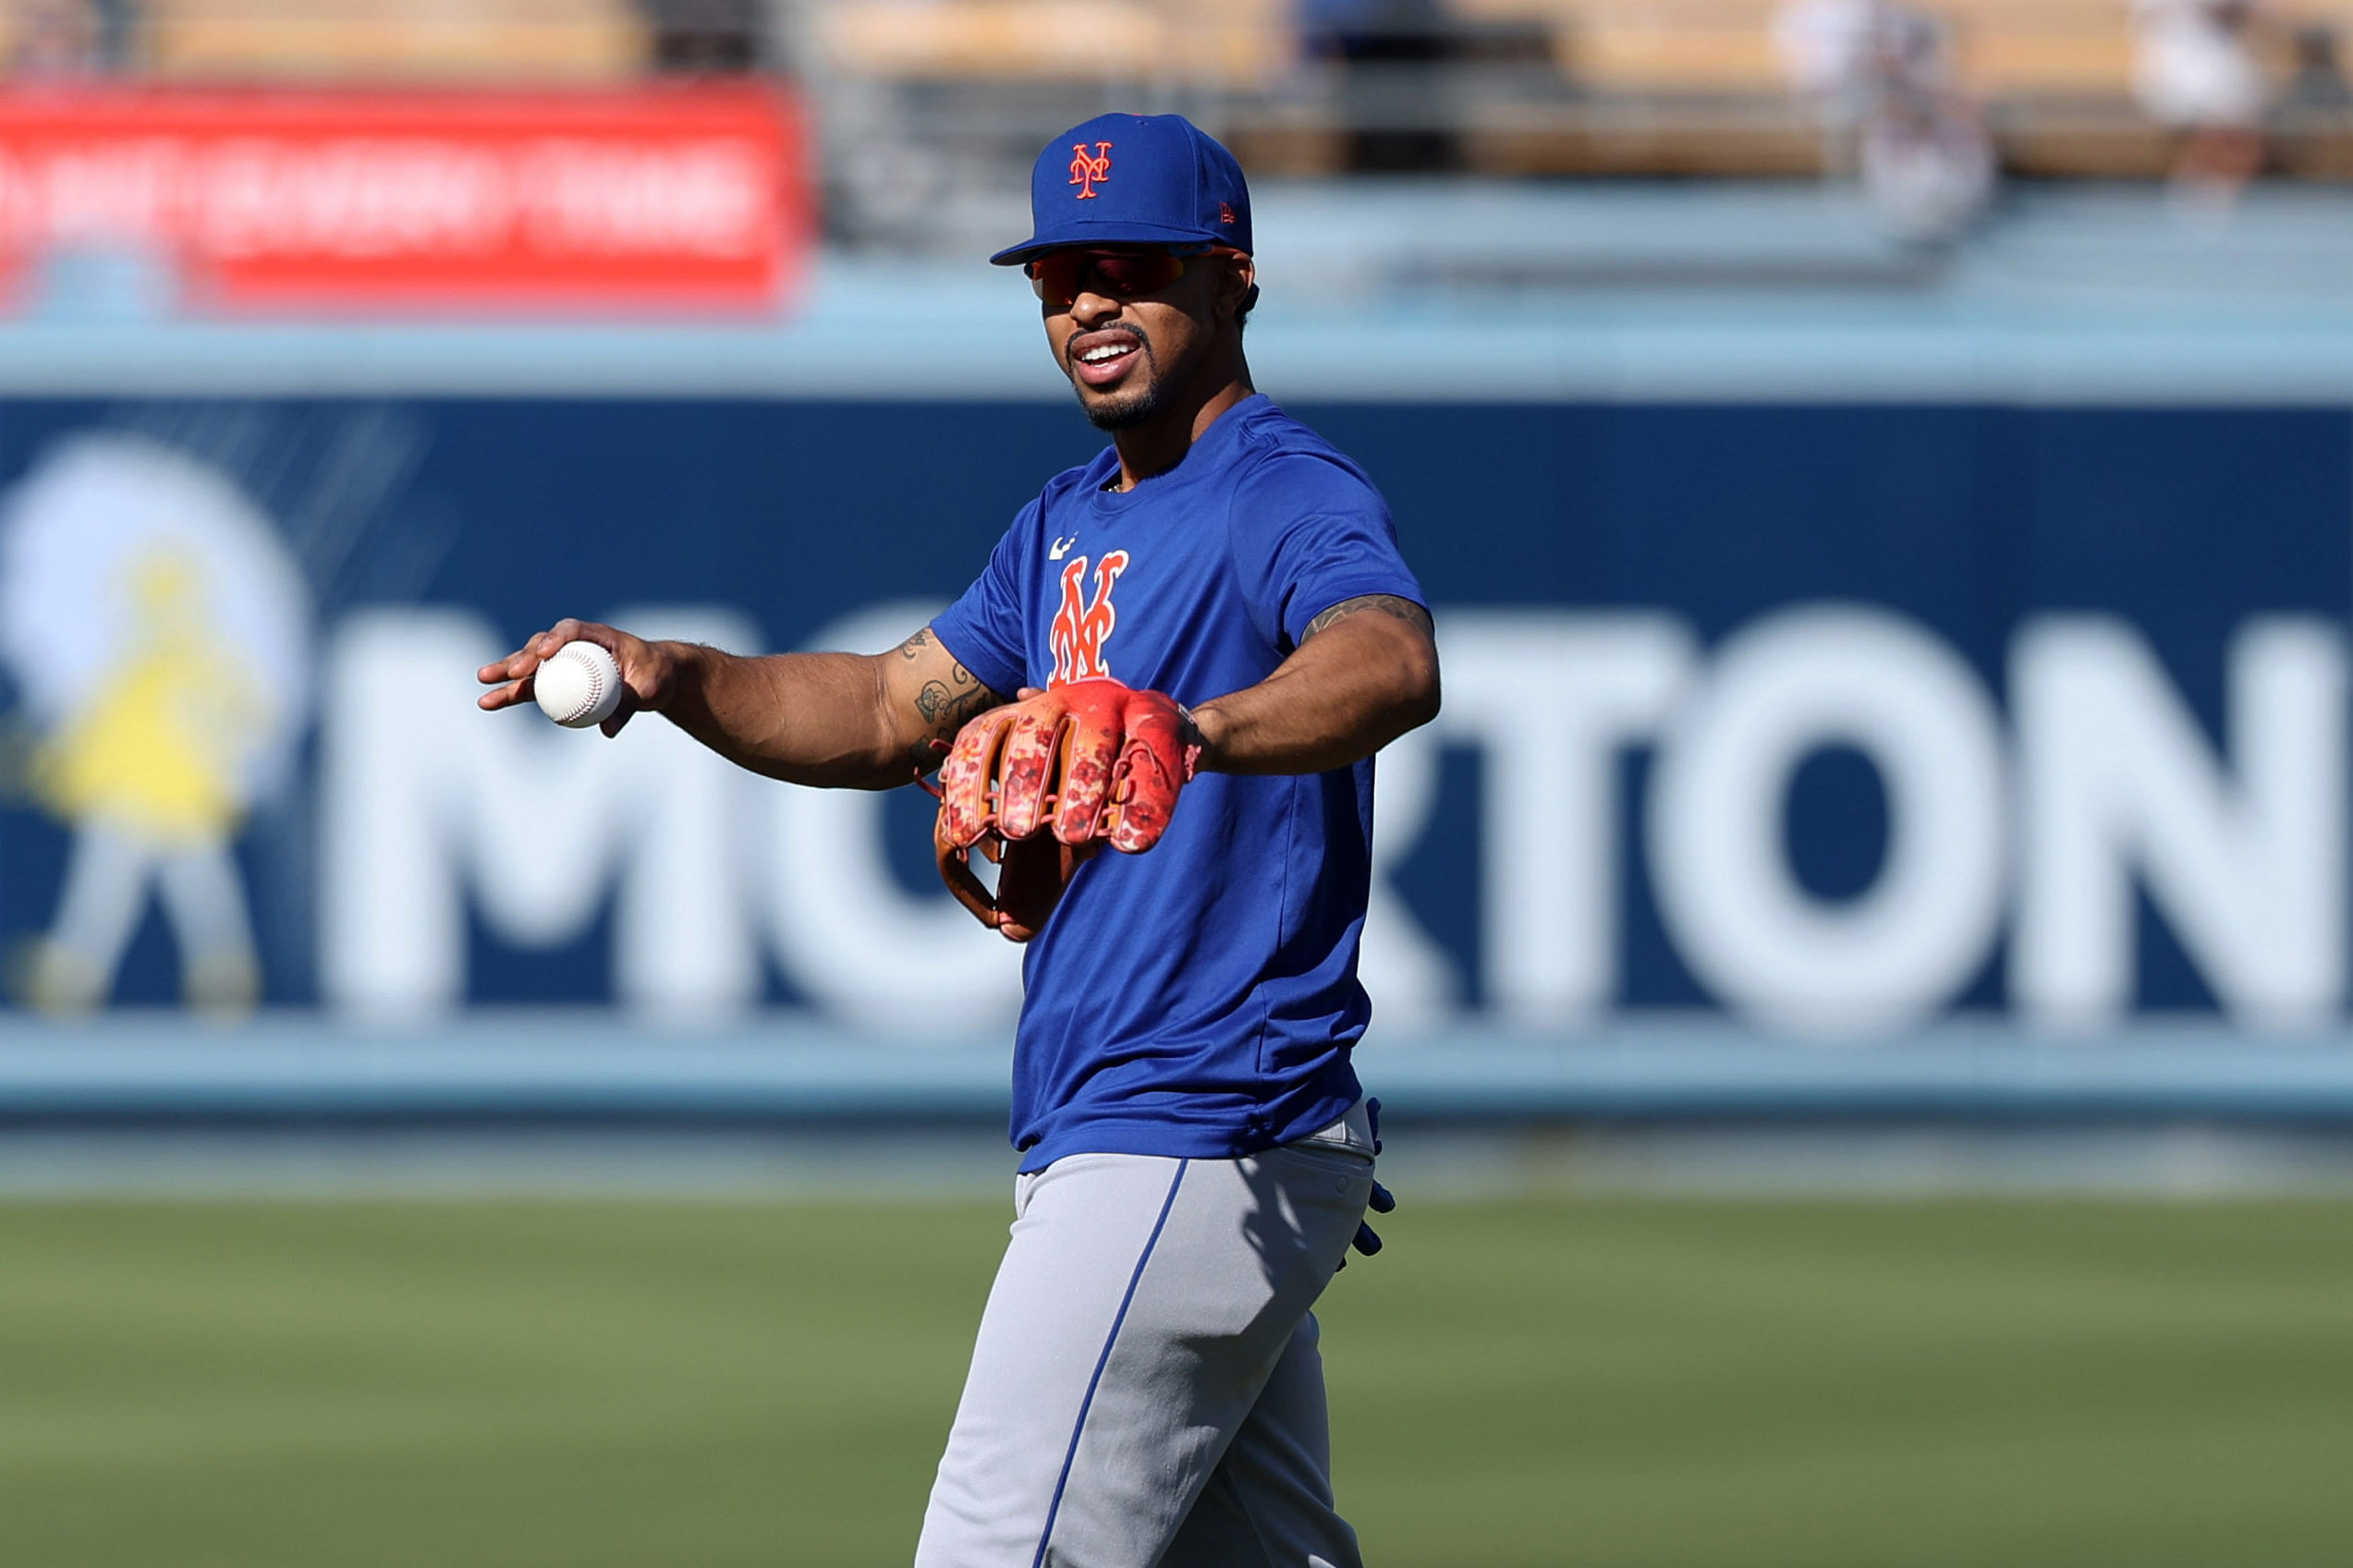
(1805, 728)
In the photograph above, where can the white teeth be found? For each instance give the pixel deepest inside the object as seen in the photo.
(1097, 355)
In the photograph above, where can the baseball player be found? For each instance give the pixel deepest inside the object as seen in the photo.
(1187, 651)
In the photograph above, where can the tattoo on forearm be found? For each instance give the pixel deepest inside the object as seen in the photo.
(1388, 605)
(944, 706)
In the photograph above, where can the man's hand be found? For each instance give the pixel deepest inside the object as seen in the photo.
(836, 721)
(1090, 760)
(1040, 786)
(648, 672)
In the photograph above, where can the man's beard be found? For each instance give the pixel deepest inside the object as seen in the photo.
(1126, 410)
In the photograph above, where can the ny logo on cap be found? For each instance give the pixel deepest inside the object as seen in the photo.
(1086, 171)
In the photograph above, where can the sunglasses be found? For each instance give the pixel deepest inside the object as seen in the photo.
(1061, 277)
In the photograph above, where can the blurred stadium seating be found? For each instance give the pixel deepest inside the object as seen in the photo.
(506, 42)
(1301, 87)
(1557, 87)
(376, 41)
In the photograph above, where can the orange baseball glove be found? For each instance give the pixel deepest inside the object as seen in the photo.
(1038, 786)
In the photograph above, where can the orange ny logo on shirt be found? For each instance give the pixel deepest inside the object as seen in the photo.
(1085, 171)
(1079, 628)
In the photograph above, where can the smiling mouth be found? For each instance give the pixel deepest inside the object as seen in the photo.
(1100, 363)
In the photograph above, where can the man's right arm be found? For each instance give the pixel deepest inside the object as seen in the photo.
(834, 719)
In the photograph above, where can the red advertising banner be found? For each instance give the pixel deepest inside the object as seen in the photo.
(687, 197)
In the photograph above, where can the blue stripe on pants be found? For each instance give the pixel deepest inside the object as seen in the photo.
(1102, 1360)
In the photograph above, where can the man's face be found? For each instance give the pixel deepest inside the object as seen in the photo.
(1127, 337)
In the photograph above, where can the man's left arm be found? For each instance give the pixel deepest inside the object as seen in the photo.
(1365, 672)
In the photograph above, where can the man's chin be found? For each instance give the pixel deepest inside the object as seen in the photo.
(1121, 410)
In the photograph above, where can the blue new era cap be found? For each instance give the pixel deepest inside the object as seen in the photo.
(1134, 179)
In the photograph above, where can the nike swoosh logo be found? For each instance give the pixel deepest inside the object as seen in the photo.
(1060, 548)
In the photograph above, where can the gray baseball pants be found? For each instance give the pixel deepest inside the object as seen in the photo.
(1146, 1391)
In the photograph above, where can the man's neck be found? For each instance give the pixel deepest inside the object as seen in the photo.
(1156, 447)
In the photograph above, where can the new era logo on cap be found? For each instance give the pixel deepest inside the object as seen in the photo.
(1176, 187)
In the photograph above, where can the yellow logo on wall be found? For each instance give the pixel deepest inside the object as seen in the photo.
(159, 632)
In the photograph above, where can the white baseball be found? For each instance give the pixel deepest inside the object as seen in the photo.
(578, 686)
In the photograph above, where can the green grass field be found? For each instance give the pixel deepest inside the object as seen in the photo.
(331, 1385)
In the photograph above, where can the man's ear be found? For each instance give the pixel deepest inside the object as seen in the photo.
(1235, 285)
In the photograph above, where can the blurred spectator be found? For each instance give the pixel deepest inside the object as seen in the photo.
(1879, 76)
(2197, 73)
(1924, 154)
(1826, 49)
(2314, 117)
(2319, 83)
(707, 37)
(1391, 56)
(57, 38)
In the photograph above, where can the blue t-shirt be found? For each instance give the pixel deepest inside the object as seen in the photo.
(1199, 999)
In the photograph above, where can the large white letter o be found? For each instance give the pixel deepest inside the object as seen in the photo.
(1780, 690)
